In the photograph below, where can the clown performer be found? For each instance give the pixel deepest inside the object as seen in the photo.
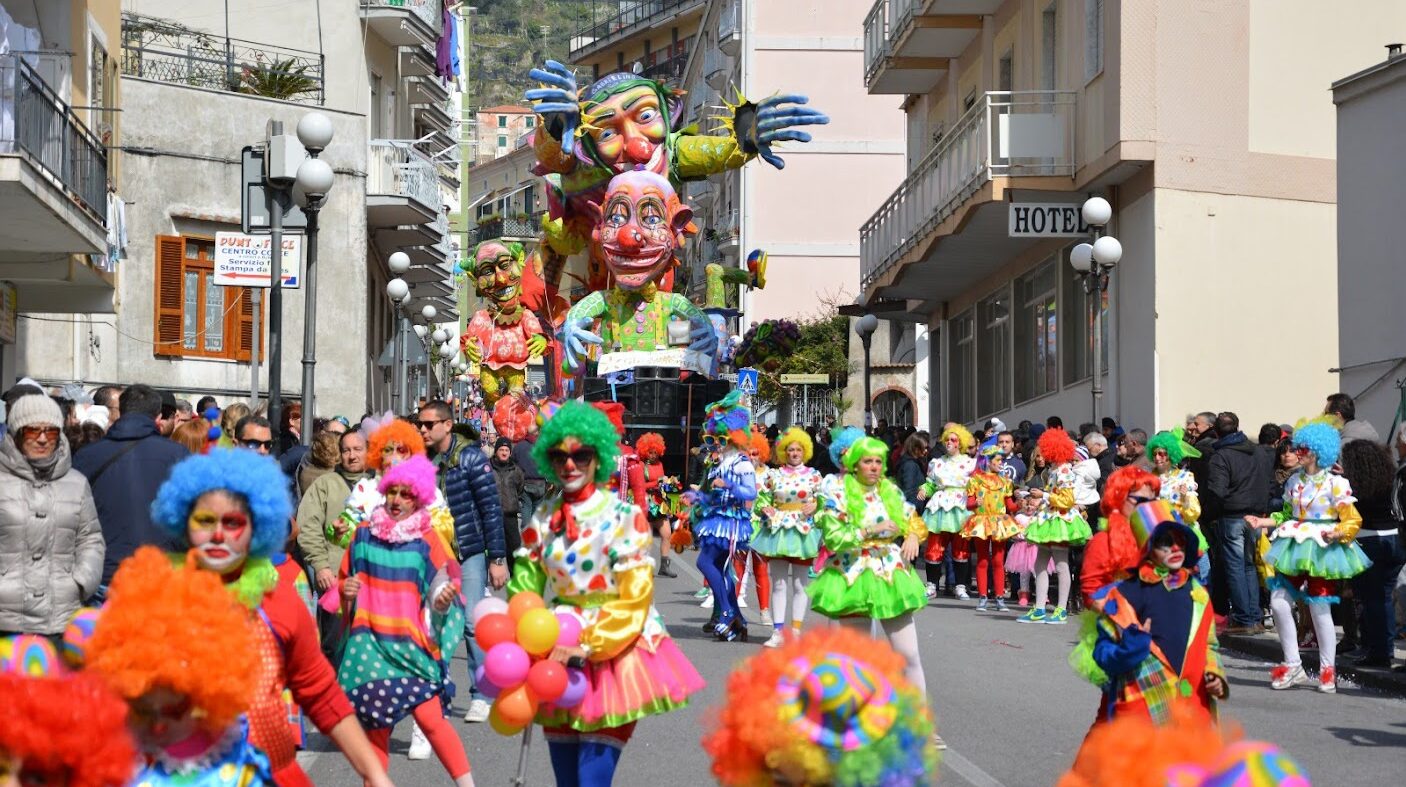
(1113, 551)
(1311, 548)
(724, 525)
(1167, 451)
(591, 550)
(184, 654)
(59, 728)
(406, 618)
(832, 707)
(230, 511)
(388, 443)
(1152, 644)
(641, 225)
(1058, 526)
(991, 525)
(648, 475)
(746, 562)
(946, 494)
(785, 534)
(868, 576)
(502, 337)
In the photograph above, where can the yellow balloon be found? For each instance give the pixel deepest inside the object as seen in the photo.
(537, 631)
(502, 727)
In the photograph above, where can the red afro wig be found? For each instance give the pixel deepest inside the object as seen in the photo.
(615, 412)
(1125, 480)
(1133, 751)
(398, 431)
(650, 445)
(1056, 447)
(417, 474)
(760, 449)
(69, 726)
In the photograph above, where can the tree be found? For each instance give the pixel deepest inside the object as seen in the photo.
(822, 349)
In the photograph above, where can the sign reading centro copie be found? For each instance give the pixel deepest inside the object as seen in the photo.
(243, 260)
(1046, 220)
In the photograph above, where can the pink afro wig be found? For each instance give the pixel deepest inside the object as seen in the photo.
(417, 473)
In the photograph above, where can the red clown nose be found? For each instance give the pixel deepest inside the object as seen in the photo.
(638, 149)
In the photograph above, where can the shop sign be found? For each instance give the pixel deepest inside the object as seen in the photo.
(1046, 220)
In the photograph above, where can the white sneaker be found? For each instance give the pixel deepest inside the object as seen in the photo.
(478, 712)
(742, 602)
(419, 744)
(1287, 677)
(776, 641)
(931, 590)
(766, 617)
(938, 743)
(962, 592)
(707, 603)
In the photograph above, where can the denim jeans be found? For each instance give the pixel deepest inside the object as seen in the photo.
(1235, 542)
(1374, 588)
(475, 568)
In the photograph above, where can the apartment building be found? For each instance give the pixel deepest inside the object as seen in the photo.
(501, 130)
(59, 132)
(805, 217)
(197, 87)
(1209, 127)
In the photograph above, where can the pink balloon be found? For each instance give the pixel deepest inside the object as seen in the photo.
(570, 628)
(488, 606)
(576, 687)
(506, 665)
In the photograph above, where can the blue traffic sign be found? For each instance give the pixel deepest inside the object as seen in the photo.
(747, 381)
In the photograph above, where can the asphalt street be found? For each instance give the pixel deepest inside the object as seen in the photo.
(1009, 707)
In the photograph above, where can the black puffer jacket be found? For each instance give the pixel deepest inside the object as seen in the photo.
(471, 491)
(1237, 479)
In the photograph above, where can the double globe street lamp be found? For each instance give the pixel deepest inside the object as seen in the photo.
(314, 181)
(399, 293)
(1094, 262)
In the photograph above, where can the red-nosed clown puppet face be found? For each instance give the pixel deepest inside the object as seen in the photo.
(498, 274)
(642, 224)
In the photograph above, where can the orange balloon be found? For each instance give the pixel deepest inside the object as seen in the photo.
(523, 602)
(502, 727)
(494, 629)
(517, 706)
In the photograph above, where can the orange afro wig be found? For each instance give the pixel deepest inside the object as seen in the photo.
(650, 445)
(66, 726)
(180, 629)
(1056, 446)
(760, 448)
(398, 431)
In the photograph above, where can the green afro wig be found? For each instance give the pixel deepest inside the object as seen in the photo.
(1177, 449)
(589, 426)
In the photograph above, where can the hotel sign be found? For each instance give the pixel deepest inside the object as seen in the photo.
(1046, 220)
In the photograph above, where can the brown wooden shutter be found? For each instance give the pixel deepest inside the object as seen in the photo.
(168, 278)
(246, 322)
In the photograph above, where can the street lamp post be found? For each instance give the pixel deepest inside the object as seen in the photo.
(1094, 263)
(399, 293)
(865, 327)
(310, 189)
(429, 312)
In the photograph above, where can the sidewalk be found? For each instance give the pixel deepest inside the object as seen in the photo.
(1266, 646)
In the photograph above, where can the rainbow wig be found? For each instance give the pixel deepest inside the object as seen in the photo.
(1322, 438)
(794, 436)
(253, 478)
(1178, 450)
(728, 420)
(832, 707)
(417, 474)
(69, 727)
(1056, 446)
(398, 431)
(965, 439)
(760, 448)
(590, 427)
(840, 441)
(650, 445)
(179, 629)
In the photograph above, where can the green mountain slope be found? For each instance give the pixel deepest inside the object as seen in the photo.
(511, 36)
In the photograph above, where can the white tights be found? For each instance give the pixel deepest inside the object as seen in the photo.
(793, 578)
(902, 633)
(1043, 555)
(1281, 605)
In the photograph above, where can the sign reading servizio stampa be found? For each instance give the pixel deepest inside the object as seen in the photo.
(243, 260)
(1046, 220)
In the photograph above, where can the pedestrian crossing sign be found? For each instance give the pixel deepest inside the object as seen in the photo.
(747, 381)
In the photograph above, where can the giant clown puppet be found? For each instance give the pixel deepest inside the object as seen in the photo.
(503, 335)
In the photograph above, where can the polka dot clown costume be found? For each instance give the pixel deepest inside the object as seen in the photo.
(945, 491)
(1058, 526)
(989, 493)
(588, 552)
(788, 497)
(725, 502)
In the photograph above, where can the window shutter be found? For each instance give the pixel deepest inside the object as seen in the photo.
(246, 322)
(170, 257)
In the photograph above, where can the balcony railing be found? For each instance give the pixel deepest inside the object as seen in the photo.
(521, 227)
(164, 51)
(611, 21)
(37, 124)
(1023, 133)
(426, 10)
(670, 68)
(886, 20)
(395, 167)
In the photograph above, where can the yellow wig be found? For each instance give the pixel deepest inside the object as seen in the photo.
(965, 439)
(794, 436)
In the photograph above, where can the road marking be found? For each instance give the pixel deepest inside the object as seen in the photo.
(968, 770)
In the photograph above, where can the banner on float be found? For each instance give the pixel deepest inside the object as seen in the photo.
(679, 357)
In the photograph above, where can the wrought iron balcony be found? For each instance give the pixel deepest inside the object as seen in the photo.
(519, 227)
(612, 21)
(668, 67)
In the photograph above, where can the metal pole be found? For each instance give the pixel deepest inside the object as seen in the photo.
(429, 364)
(275, 305)
(254, 352)
(395, 359)
(1096, 293)
(310, 324)
(868, 400)
(404, 363)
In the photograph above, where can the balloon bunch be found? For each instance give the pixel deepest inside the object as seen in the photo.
(767, 344)
(517, 638)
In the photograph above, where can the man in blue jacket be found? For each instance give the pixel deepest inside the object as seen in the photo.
(125, 469)
(471, 492)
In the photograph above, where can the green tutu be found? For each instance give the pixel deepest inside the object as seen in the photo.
(1058, 530)
(870, 597)
(1307, 558)
(786, 542)
(946, 520)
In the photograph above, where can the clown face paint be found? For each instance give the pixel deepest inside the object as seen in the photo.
(574, 464)
(400, 503)
(161, 719)
(220, 529)
(642, 224)
(630, 130)
(498, 276)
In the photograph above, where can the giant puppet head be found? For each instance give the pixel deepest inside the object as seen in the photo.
(626, 120)
(498, 274)
(642, 224)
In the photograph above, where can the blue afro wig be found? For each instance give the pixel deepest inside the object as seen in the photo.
(253, 477)
(840, 441)
(1322, 439)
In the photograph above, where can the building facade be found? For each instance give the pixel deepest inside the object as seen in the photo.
(501, 130)
(1207, 129)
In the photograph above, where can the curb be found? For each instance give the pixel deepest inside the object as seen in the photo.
(1267, 647)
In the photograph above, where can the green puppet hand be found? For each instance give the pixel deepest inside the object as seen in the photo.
(536, 345)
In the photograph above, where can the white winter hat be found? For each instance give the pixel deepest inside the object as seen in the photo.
(94, 414)
(34, 409)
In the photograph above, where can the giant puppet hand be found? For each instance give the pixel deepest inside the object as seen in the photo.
(468, 345)
(772, 120)
(536, 345)
(558, 102)
(574, 337)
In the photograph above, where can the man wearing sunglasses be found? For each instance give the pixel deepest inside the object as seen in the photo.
(254, 432)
